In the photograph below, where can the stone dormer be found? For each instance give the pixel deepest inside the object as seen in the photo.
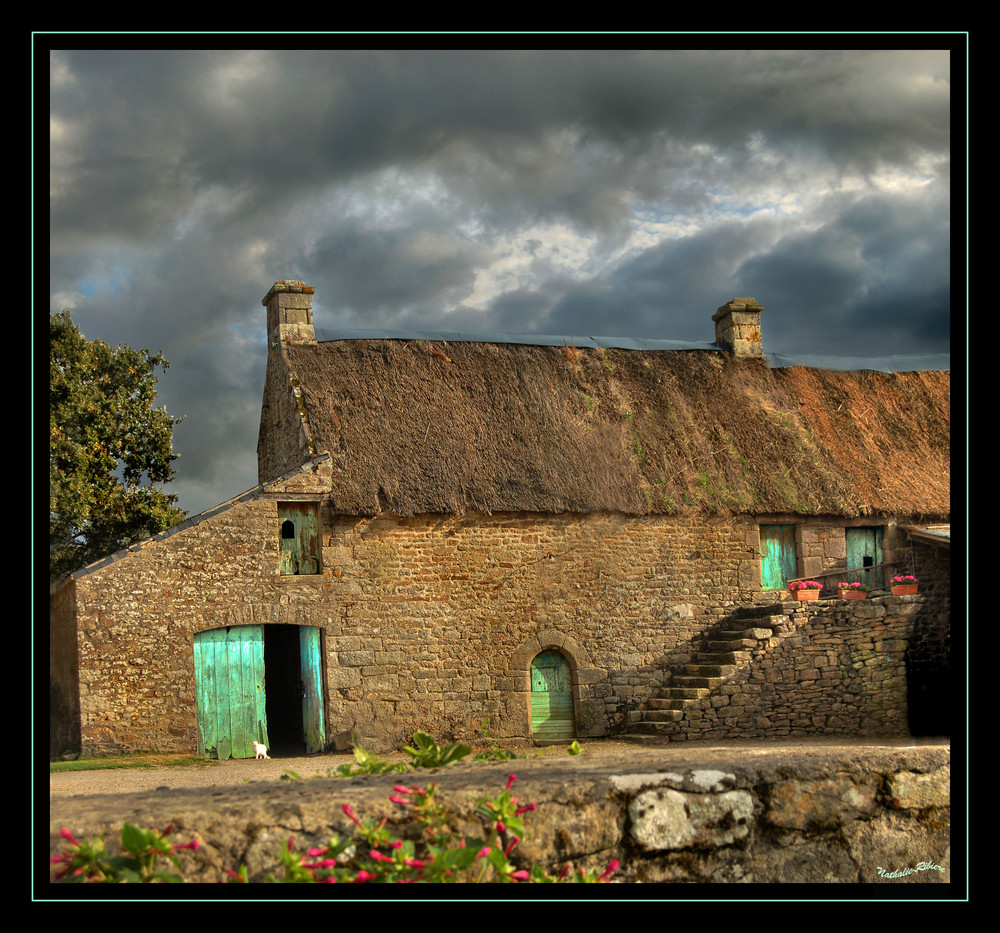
(289, 313)
(737, 327)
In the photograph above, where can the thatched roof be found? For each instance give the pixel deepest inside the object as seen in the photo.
(447, 428)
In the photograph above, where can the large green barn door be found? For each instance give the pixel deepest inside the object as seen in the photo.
(864, 549)
(313, 727)
(777, 556)
(229, 684)
(551, 698)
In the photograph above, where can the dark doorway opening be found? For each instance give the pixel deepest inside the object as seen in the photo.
(283, 690)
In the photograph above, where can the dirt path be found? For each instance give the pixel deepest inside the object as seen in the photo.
(244, 771)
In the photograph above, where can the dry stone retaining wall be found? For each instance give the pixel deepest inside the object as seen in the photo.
(761, 814)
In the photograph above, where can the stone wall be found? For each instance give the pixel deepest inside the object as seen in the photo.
(831, 667)
(427, 622)
(828, 814)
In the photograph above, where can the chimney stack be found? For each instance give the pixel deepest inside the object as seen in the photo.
(289, 313)
(737, 327)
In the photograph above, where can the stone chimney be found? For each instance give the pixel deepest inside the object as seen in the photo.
(737, 327)
(289, 313)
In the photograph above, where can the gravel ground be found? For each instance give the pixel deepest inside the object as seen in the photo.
(248, 770)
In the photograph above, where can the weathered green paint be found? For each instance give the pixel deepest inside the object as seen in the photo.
(298, 534)
(864, 549)
(229, 686)
(777, 556)
(551, 698)
(313, 727)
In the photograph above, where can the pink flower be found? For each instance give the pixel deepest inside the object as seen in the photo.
(350, 815)
(364, 876)
(612, 867)
(520, 875)
(400, 789)
(400, 800)
(314, 852)
(525, 809)
(483, 852)
(511, 778)
(510, 848)
(193, 844)
(67, 835)
(500, 827)
(323, 863)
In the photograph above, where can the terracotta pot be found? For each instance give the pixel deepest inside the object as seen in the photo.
(853, 594)
(904, 589)
(800, 595)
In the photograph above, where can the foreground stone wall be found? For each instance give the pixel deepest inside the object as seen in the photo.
(761, 814)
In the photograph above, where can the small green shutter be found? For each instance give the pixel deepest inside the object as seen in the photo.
(229, 688)
(551, 698)
(298, 535)
(777, 556)
(864, 549)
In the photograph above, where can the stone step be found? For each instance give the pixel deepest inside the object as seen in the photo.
(683, 692)
(654, 728)
(752, 634)
(670, 703)
(720, 657)
(710, 670)
(733, 646)
(684, 681)
(662, 715)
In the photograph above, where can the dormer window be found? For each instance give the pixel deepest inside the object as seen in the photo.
(298, 524)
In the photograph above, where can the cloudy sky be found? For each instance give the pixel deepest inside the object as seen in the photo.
(558, 192)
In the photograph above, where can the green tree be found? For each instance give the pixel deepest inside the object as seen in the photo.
(109, 449)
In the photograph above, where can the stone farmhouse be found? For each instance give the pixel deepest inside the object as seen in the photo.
(535, 540)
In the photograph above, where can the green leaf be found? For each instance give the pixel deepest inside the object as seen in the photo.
(135, 840)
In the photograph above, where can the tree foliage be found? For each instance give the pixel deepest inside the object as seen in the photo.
(109, 449)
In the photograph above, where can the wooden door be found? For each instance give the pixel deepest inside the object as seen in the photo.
(313, 725)
(777, 556)
(864, 549)
(551, 698)
(229, 686)
(298, 524)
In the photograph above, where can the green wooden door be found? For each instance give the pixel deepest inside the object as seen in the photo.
(551, 698)
(298, 524)
(313, 726)
(777, 556)
(229, 686)
(864, 549)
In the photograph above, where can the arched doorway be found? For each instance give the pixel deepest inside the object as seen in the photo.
(552, 717)
(259, 683)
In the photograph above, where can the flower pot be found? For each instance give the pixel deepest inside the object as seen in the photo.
(853, 594)
(904, 589)
(802, 595)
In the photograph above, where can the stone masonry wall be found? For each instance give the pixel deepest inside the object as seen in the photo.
(427, 622)
(832, 667)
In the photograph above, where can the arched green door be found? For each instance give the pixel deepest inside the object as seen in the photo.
(551, 698)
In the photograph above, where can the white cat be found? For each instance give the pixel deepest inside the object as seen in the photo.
(261, 751)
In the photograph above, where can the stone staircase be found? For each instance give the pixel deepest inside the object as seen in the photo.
(728, 649)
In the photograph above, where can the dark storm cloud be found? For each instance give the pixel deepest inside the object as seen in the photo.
(568, 192)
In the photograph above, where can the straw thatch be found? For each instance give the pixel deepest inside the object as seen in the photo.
(449, 428)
